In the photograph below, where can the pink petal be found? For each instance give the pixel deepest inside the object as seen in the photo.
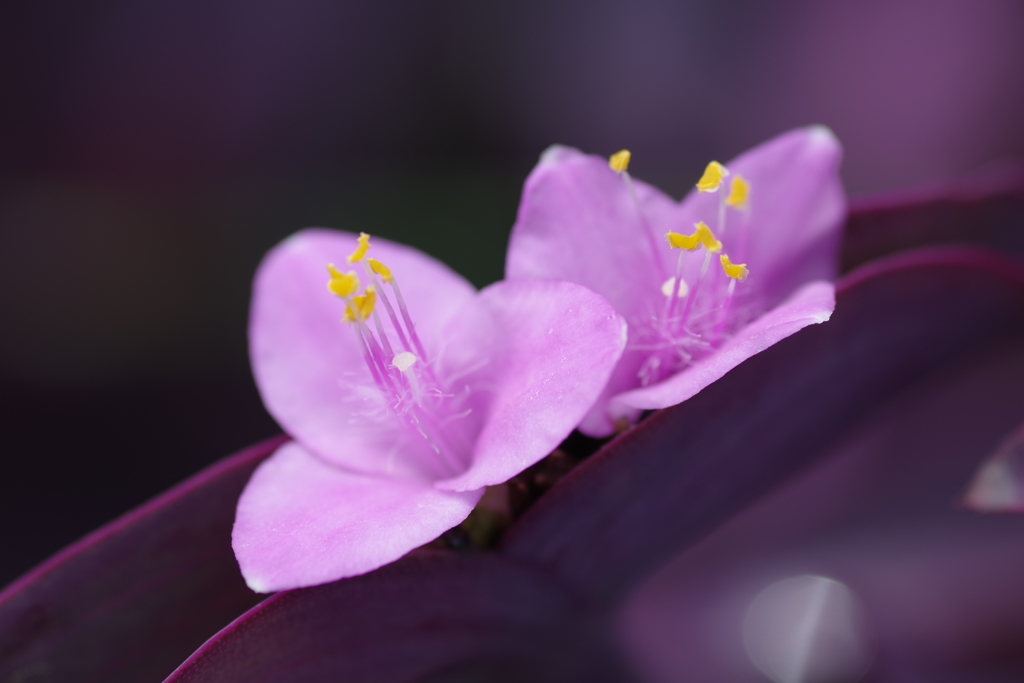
(303, 522)
(548, 349)
(795, 215)
(133, 598)
(307, 363)
(813, 303)
(578, 222)
(598, 422)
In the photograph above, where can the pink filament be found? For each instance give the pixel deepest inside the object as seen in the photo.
(397, 389)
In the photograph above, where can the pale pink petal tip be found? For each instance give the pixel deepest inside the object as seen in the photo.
(998, 485)
(303, 522)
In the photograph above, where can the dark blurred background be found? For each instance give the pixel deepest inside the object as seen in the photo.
(152, 151)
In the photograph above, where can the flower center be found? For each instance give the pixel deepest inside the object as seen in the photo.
(697, 316)
(400, 367)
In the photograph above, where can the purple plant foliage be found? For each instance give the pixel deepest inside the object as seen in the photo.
(900, 317)
(130, 600)
(937, 585)
(768, 472)
(430, 615)
(650, 495)
(987, 208)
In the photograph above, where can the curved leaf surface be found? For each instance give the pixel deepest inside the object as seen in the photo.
(131, 600)
(987, 209)
(433, 615)
(666, 484)
(938, 584)
(541, 611)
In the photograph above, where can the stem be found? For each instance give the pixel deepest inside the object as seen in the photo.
(382, 363)
(370, 363)
(387, 306)
(408, 320)
(724, 314)
(674, 296)
(383, 337)
(693, 293)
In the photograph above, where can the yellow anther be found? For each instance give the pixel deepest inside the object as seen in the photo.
(361, 305)
(363, 247)
(738, 193)
(379, 268)
(712, 178)
(366, 302)
(619, 161)
(342, 284)
(737, 271)
(706, 237)
(702, 235)
(678, 240)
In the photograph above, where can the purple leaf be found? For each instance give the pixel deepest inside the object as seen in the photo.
(544, 607)
(131, 600)
(430, 616)
(665, 485)
(938, 586)
(987, 209)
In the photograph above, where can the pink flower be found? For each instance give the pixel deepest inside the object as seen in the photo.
(773, 214)
(403, 415)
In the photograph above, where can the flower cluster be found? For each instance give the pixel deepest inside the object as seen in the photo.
(811, 514)
(402, 421)
(588, 221)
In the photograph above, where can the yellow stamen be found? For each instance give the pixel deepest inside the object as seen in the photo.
(678, 240)
(379, 268)
(361, 305)
(707, 238)
(363, 247)
(619, 161)
(738, 194)
(712, 178)
(702, 235)
(342, 284)
(366, 302)
(737, 271)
